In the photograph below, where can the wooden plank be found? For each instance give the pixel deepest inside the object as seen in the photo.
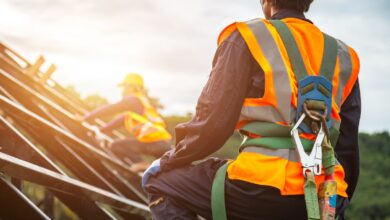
(48, 74)
(34, 69)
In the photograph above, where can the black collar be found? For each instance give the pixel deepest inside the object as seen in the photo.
(288, 13)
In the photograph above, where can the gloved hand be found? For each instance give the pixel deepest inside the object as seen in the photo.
(153, 170)
(97, 134)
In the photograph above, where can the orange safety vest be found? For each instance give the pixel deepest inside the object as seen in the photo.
(148, 127)
(281, 168)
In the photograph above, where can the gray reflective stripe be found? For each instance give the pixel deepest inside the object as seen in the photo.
(288, 154)
(345, 64)
(279, 74)
(260, 113)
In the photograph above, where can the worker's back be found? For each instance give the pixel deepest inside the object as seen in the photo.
(259, 162)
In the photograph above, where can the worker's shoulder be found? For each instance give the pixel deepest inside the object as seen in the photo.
(231, 35)
(235, 38)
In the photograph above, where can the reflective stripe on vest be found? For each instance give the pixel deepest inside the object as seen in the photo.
(148, 127)
(275, 104)
(281, 168)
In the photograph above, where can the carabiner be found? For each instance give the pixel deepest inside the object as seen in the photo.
(312, 162)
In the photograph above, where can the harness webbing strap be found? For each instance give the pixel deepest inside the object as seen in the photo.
(328, 157)
(266, 129)
(275, 143)
(274, 136)
(292, 49)
(218, 194)
(311, 198)
(329, 57)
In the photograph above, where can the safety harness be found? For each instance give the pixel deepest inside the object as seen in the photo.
(313, 117)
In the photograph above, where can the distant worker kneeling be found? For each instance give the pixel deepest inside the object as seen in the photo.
(149, 136)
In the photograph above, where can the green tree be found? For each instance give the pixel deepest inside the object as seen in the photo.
(72, 91)
(372, 197)
(93, 101)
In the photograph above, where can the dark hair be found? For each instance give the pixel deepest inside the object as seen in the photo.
(299, 5)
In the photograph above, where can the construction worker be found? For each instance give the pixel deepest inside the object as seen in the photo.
(257, 85)
(149, 136)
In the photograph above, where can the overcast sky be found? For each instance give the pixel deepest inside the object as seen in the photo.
(171, 43)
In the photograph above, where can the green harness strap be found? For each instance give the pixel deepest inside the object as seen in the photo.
(275, 136)
(311, 198)
(218, 194)
(328, 157)
(329, 57)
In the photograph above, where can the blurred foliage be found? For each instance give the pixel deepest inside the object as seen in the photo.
(372, 196)
(93, 101)
(72, 91)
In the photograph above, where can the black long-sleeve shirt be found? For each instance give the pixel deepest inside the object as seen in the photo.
(235, 76)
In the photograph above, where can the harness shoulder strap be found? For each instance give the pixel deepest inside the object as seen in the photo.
(329, 57)
(292, 49)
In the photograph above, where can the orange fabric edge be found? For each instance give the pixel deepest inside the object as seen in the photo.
(226, 32)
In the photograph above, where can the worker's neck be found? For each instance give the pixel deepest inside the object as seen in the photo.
(274, 11)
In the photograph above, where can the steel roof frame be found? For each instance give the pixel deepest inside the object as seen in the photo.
(41, 142)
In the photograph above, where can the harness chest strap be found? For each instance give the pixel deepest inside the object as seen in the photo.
(275, 136)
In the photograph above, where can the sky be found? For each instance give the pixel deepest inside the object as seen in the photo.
(95, 43)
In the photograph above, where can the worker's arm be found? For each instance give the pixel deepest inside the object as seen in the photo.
(129, 103)
(347, 147)
(218, 107)
(113, 124)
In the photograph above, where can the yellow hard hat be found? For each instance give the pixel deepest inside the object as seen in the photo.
(132, 79)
